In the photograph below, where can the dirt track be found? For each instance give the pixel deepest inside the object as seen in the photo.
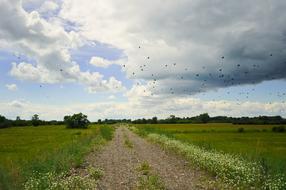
(120, 164)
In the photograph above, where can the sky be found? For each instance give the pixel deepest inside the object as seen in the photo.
(134, 59)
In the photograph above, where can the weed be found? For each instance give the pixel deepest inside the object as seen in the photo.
(95, 173)
(144, 168)
(150, 182)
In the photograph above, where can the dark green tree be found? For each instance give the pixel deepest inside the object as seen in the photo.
(204, 118)
(154, 120)
(76, 121)
(35, 120)
(4, 123)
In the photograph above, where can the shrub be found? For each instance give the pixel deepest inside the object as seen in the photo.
(240, 130)
(76, 121)
(279, 129)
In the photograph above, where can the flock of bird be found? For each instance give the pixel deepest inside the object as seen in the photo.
(218, 76)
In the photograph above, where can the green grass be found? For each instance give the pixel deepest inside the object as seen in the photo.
(149, 181)
(257, 142)
(107, 131)
(24, 150)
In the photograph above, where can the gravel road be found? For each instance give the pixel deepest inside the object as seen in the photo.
(120, 164)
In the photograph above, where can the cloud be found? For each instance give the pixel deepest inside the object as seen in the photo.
(48, 45)
(48, 6)
(17, 104)
(183, 107)
(111, 97)
(214, 44)
(12, 87)
(100, 62)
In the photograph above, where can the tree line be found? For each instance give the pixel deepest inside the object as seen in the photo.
(81, 120)
(202, 118)
(34, 121)
(205, 118)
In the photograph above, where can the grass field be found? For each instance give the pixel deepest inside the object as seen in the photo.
(24, 150)
(255, 143)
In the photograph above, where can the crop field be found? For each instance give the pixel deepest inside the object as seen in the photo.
(24, 150)
(254, 143)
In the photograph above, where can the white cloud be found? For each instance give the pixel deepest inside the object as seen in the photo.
(17, 104)
(111, 97)
(12, 87)
(48, 6)
(48, 44)
(100, 62)
(183, 107)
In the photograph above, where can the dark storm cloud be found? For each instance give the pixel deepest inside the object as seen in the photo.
(221, 44)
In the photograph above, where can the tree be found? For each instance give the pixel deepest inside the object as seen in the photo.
(154, 120)
(172, 119)
(35, 120)
(204, 118)
(4, 123)
(76, 121)
(18, 122)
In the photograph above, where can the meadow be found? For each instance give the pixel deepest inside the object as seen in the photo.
(254, 143)
(25, 150)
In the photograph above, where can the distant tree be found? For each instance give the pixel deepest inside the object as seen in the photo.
(172, 119)
(18, 121)
(4, 123)
(76, 121)
(154, 120)
(204, 118)
(35, 120)
(99, 121)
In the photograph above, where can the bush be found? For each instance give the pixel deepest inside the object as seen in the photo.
(240, 130)
(278, 129)
(76, 121)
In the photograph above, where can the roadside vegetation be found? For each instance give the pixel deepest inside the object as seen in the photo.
(127, 141)
(234, 167)
(148, 180)
(30, 155)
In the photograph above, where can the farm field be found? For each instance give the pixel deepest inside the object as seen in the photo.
(44, 149)
(256, 142)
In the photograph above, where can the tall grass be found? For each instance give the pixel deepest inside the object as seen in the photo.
(55, 161)
(257, 143)
(106, 131)
(234, 170)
